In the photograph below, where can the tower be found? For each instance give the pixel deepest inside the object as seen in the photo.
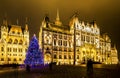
(4, 28)
(57, 21)
(26, 32)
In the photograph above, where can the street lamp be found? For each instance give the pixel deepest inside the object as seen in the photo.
(74, 44)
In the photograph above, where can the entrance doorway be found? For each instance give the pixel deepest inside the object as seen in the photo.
(47, 58)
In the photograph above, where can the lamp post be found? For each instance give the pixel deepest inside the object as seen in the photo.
(74, 44)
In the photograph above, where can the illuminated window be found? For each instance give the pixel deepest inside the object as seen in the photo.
(16, 49)
(55, 48)
(2, 59)
(60, 49)
(78, 43)
(47, 48)
(77, 56)
(9, 59)
(60, 57)
(25, 42)
(13, 32)
(2, 48)
(14, 59)
(108, 55)
(10, 41)
(83, 52)
(60, 42)
(65, 57)
(13, 49)
(21, 50)
(87, 38)
(83, 27)
(70, 44)
(55, 56)
(55, 42)
(96, 57)
(20, 42)
(25, 50)
(18, 32)
(60, 36)
(8, 49)
(92, 39)
(69, 57)
(70, 50)
(15, 41)
(65, 49)
(65, 43)
(83, 59)
(65, 37)
(78, 50)
(83, 37)
(55, 36)
(20, 59)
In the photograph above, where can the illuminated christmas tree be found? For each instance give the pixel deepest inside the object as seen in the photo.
(34, 56)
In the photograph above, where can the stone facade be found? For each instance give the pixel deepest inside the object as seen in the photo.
(14, 42)
(75, 43)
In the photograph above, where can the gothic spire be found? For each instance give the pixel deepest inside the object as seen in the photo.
(5, 20)
(26, 24)
(58, 22)
(58, 18)
(17, 21)
(114, 46)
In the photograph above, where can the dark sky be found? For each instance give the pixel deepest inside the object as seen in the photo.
(105, 12)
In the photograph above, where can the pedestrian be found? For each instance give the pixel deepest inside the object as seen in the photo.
(89, 66)
(50, 66)
(27, 68)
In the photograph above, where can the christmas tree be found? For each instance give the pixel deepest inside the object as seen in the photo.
(34, 56)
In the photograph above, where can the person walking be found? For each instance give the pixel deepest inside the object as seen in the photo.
(50, 66)
(90, 68)
(27, 68)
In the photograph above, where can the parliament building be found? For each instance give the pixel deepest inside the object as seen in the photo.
(75, 43)
(14, 41)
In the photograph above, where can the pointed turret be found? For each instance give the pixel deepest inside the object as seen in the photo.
(57, 21)
(83, 24)
(73, 19)
(26, 24)
(17, 21)
(58, 18)
(114, 46)
(88, 24)
(5, 20)
(94, 24)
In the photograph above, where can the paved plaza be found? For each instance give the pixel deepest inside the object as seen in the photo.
(99, 71)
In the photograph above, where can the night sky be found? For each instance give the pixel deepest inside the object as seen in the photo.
(105, 12)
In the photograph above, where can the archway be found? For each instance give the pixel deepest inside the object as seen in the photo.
(47, 58)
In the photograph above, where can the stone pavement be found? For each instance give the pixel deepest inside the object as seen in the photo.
(99, 71)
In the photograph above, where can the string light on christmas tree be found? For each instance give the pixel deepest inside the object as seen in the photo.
(34, 56)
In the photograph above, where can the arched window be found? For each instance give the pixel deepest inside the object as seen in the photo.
(20, 42)
(15, 41)
(14, 59)
(60, 57)
(10, 41)
(18, 32)
(20, 59)
(13, 32)
(9, 59)
(55, 56)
